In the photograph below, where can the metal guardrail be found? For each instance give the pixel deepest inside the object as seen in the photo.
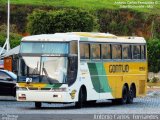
(153, 84)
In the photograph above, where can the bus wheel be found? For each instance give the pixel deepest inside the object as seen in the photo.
(131, 95)
(124, 98)
(124, 95)
(81, 99)
(38, 104)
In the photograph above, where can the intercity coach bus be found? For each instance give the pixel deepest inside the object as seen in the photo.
(81, 68)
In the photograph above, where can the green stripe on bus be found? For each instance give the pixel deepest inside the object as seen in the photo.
(95, 79)
(98, 77)
(53, 85)
(83, 38)
(104, 80)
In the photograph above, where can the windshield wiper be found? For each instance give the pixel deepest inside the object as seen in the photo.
(46, 74)
(35, 70)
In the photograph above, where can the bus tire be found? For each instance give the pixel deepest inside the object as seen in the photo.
(124, 95)
(131, 94)
(81, 98)
(38, 104)
(124, 98)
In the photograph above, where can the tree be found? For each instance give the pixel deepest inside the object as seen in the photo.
(153, 47)
(14, 39)
(69, 20)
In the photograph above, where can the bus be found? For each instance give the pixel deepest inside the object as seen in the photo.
(81, 68)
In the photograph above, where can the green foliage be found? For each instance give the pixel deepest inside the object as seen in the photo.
(153, 47)
(85, 4)
(18, 16)
(2, 39)
(14, 39)
(154, 80)
(13, 28)
(119, 22)
(157, 27)
(38, 22)
(126, 23)
(115, 22)
(69, 20)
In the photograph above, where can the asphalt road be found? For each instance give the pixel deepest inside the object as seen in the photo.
(146, 105)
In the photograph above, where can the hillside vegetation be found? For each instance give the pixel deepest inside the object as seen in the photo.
(110, 17)
(93, 4)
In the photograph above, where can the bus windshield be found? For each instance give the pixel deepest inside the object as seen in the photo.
(44, 47)
(44, 69)
(48, 62)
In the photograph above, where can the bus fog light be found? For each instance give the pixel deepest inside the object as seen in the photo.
(21, 96)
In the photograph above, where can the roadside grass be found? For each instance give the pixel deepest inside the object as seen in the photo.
(90, 4)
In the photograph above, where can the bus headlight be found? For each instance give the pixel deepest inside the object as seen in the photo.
(22, 96)
(59, 89)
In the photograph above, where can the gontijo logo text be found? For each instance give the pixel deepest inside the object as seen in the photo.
(118, 68)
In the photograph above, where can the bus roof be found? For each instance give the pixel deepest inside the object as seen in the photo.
(85, 37)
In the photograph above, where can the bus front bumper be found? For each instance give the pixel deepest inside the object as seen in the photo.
(44, 96)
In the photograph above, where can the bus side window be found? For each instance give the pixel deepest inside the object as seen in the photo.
(116, 51)
(143, 52)
(126, 51)
(136, 52)
(73, 47)
(84, 51)
(106, 51)
(95, 51)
